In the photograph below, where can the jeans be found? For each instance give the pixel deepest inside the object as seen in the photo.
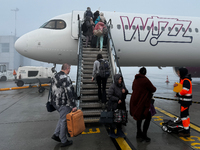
(102, 95)
(61, 128)
(101, 41)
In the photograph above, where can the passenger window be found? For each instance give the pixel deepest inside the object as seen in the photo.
(126, 27)
(133, 27)
(190, 29)
(196, 30)
(155, 28)
(183, 29)
(118, 26)
(141, 27)
(163, 28)
(169, 28)
(176, 29)
(148, 27)
(32, 73)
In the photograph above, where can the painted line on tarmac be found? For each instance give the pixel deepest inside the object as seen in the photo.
(195, 127)
(122, 143)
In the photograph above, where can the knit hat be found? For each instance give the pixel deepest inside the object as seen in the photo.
(183, 72)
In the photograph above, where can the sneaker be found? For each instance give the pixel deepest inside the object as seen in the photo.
(120, 133)
(147, 139)
(66, 143)
(56, 138)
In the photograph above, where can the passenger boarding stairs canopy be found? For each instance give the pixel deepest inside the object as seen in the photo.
(87, 89)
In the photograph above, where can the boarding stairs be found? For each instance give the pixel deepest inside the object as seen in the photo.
(87, 90)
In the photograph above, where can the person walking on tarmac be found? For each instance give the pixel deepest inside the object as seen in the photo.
(185, 100)
(140, 103)
(63, 100)
(117, 95)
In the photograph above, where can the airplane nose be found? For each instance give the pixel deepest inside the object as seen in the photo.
(21, 44)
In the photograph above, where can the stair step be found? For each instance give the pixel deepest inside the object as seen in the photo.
(93, 55)
(91, 59)
(89, 81)
(89, 98)
(93, 112)
(94, 52)
(92, 86)
(92, 120)
(90, 105)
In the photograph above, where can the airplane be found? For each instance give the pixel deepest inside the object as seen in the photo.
(140, 40)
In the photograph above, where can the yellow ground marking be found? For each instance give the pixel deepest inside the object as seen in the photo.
(172, 116)
(122, 143)
(23, 87)
(91, 131)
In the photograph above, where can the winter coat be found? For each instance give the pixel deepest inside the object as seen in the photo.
(115, 94)
(141, 97)
(89, 26)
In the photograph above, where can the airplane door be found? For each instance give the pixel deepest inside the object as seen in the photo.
(74, 21)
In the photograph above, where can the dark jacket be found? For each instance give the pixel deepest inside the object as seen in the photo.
(115, 94)
(89, 26)
(141, 97)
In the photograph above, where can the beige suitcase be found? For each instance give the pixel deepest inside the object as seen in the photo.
(75, 123)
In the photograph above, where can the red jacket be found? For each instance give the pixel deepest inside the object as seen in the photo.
(141, 97)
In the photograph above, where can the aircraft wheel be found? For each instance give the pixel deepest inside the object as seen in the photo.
(20, 83)
(164, 128)
(41, 89)
(3, 78)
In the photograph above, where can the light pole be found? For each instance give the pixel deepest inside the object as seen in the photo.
(15, 10)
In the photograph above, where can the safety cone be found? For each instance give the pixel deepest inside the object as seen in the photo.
(167, 81)
(14, 73)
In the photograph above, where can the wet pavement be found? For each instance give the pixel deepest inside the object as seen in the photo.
(26, 125)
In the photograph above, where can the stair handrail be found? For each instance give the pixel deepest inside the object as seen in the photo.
(79, 54)
(112, 52)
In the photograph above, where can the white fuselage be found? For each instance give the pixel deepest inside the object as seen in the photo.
(139, 40)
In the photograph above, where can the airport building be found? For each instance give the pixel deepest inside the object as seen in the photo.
(11, 58)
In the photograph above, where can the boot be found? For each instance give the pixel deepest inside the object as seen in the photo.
(120, 133)
(112, 133)
(184, 133)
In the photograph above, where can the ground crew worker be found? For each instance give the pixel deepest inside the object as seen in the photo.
(185, 99)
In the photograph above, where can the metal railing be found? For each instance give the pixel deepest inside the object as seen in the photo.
(79, 54)
(112, 52)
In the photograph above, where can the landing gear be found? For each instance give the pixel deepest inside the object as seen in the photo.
(41, 89)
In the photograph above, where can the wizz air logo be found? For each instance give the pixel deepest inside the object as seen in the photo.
(156, 30)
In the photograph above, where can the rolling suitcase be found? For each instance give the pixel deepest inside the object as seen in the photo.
(75, 123)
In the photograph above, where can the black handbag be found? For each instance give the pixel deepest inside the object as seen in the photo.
(120, 116)
(106, 117)
(50, 107)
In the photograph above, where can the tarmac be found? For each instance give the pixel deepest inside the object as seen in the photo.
(25, 124)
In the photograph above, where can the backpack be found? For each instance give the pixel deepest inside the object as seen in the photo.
(89, 13)
(84, 27)
(104, 69)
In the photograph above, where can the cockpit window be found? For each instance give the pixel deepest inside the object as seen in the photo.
(54, 24)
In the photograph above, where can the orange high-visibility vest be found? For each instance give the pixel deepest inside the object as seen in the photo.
(186, 93)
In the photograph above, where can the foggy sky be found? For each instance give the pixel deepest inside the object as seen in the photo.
(33, 13)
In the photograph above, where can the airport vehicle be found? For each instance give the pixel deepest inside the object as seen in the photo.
(174, 126)
(3, 72)
(32, 74)
(139, 39)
